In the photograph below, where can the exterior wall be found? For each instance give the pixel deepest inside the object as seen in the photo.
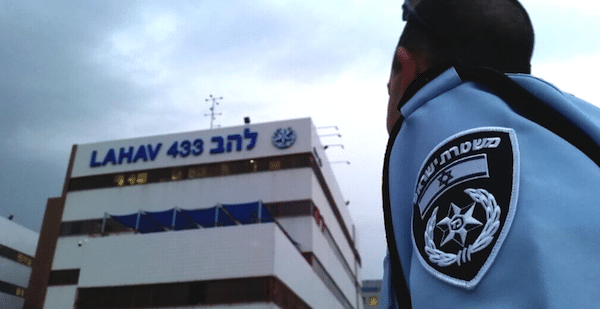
(86, 163)
(331, 181)
(330, 261)
(299, 230)
(10, 302)
(42, 265)
(14, 273)
(319, 197)
(178, 256)
(23, 240)
(305, 231)
(216, 253)
(17, 237)
(60, 297)
(213, 253)
(273, 186)
(332, 223)
(304, 282)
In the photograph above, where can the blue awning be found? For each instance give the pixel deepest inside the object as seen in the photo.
(182, 219)
(244, 213)
(208, 218)
(147, 225)
(203, 217)
(165, 219)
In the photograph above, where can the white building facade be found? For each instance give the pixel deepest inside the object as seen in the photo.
(17, 248)
(239, 217)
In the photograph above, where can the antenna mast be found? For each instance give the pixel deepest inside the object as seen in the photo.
(212, 108)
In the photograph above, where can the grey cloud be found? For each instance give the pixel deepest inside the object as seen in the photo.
(50, 88)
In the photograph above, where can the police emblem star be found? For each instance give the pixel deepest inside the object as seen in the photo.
(284, 138)
(464, 203)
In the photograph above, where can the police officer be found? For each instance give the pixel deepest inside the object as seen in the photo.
(491, 178)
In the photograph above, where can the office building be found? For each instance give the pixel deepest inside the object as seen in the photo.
(238, 217)
(17, 248)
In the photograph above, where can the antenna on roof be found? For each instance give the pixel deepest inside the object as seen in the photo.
(212, 108)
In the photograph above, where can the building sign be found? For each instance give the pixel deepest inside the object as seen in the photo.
(181, 149)
(284, 138)
(224, 144)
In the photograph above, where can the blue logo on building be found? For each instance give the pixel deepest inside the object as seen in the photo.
(284, 138)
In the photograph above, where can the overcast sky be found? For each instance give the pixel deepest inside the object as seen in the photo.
(77, 72)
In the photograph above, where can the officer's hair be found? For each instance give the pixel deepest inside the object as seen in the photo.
(492, 33)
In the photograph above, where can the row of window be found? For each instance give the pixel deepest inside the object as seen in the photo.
(12, 289)
(190, 172)
(15, 255)
(226, 291)
(214, 170)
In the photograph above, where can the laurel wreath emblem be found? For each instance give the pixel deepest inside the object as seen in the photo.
(492, 214)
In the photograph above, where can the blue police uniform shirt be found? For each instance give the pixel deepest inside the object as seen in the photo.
(490, 209)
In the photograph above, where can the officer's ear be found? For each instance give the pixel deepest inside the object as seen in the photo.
(407, 64)
(405, 69)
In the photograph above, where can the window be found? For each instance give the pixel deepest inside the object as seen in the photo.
(12, 289)
(92, 227)
(228, 291)
(177, 174)
(224, 169)
(190, 172)
(373, 300)
(63, 277)
(275, 165)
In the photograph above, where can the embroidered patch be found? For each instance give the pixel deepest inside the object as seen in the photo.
(465, 200)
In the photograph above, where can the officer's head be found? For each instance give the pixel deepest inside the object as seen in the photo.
(490, 33)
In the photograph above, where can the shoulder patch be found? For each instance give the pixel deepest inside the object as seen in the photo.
(464, 203)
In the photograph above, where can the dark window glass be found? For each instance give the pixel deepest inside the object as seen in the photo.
(190, 172)
(15, 255)
(75, 228)
(12, 289)
(197, 293)
(64, 277)
(216, 292)
(230, 291)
